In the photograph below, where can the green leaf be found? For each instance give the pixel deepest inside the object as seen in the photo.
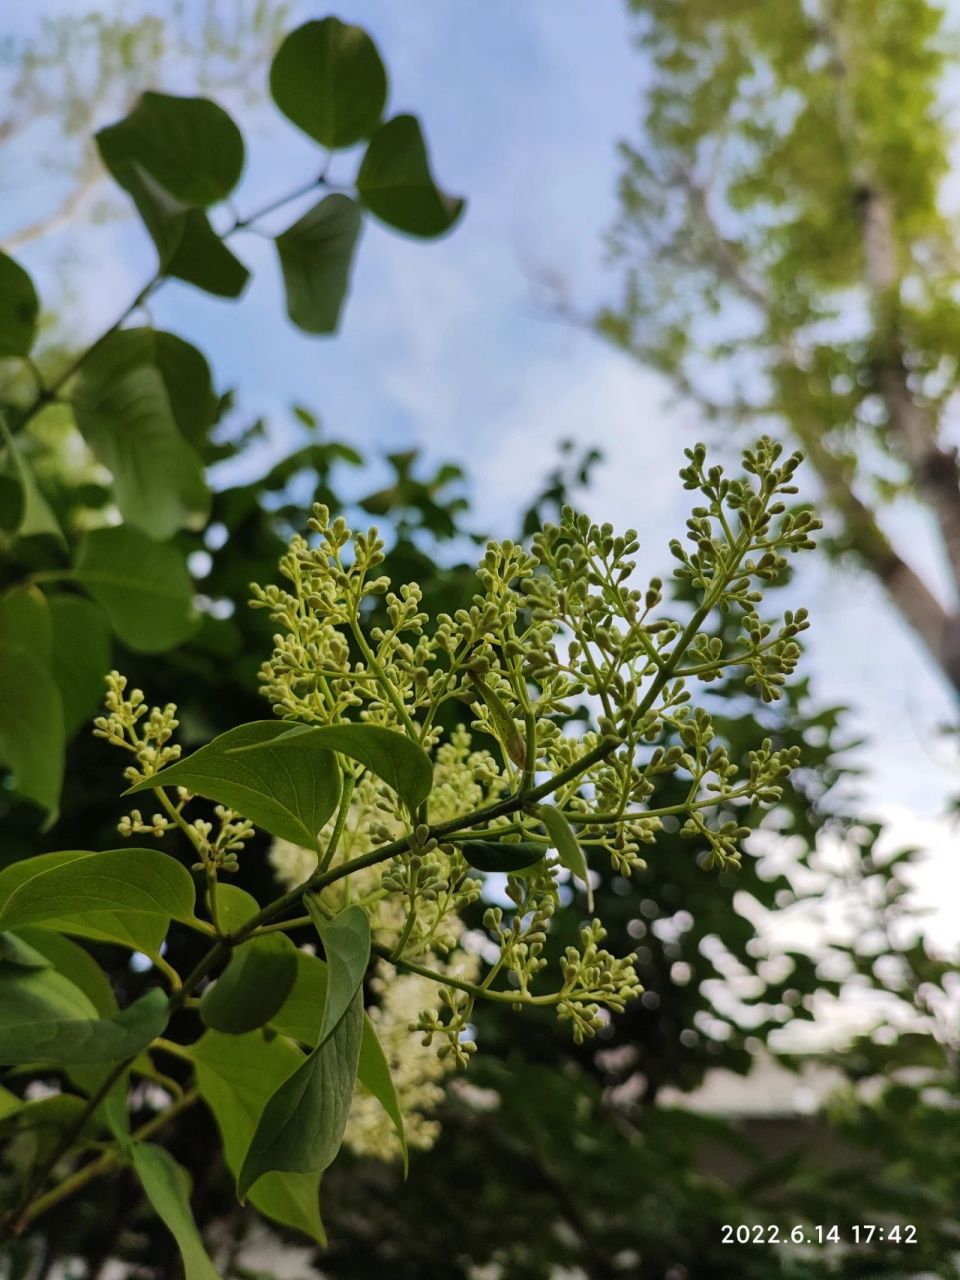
(70, 959)
(236, 1075)
(160, 156)
(301, 1015)
(346, 945)
(301, 1128)
(167, 1186)
(19, 308)
(236, 906)
(392, 756)
(201, 258)
(16, 953)
(316, 255)
(289, 794)
(33, 514)
(46, 1122)
(31, 725)
(328, 79)
(567, 846)
(492, 855)
(190, 146)
(254, 985)
(25, 621)
(128, 422)
(142, 585)
(302, 1125)
(44, 1017)
(126, 896)
(503, 722)
(395, 182)
(373, 1072)
(81, 656)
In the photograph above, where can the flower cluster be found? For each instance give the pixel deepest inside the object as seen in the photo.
(553, 632)
(146, 733)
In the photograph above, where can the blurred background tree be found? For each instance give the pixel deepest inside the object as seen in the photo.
(553, 1159)
(785, 218)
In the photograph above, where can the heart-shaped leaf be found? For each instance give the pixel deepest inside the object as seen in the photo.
(291, 794)
(253, 986)
(327, 77)
(127, 896)
(396, 759)
(190, 146)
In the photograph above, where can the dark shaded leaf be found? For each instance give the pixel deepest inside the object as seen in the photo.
(81, 656)
(254, 985)
(316, 254)
(491, 855)
(19, 308)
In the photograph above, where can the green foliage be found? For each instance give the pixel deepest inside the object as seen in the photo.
(396, 816)
(167, 1186)
(394, 805)
(290, 795)
(253, 987)
(18, 310)
(396, 184)
(329, 80)
(126, 896)
(46, 1018)
(316, 255)
(142, 586)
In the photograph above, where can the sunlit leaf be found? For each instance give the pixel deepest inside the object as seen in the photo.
(392, 756)
(143, 587)
(290, 794)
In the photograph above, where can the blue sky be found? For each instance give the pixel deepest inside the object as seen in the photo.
(444, 345)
